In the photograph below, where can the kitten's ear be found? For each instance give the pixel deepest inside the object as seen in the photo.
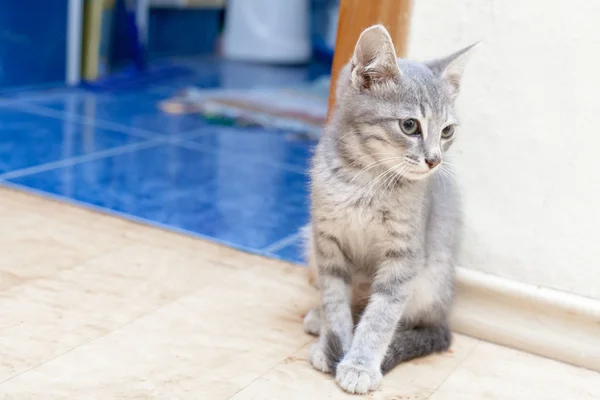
(374, 61)
(450, 68)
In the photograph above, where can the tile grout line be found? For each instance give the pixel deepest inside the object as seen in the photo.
(103, 335)
(207, 148)
(179, 139)
(53, 277)
(104, 124)
(454, 370)
(129, 148)
(269, 370)
(100, 123)
(281, 243)
(136, 132)
(81, 119)
(142, 145)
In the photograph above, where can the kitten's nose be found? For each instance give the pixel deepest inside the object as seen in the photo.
(433, 161)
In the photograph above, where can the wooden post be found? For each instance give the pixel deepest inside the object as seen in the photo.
(355, 16)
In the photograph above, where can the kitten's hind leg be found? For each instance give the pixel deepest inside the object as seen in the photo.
(416, 342)
(312, 322)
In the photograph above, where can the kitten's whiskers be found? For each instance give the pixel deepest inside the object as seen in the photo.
(373, 165)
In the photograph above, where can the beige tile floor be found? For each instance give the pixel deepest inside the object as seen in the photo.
(94, 307)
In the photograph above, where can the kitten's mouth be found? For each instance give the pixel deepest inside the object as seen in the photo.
(416, 175)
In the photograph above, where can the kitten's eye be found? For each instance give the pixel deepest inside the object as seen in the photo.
(409, 126)
(448, 131)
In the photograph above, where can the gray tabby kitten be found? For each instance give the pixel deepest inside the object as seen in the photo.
(385, 228)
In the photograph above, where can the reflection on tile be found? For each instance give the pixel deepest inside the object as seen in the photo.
(270, 147)
(128, 109)
(223, 195)
(207, 345)
(296, 379)
(31, 93)
(27, 140)
(497, 373)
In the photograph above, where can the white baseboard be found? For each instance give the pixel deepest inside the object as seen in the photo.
(541, 321)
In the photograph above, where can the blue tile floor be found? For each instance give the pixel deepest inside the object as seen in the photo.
(116, 152)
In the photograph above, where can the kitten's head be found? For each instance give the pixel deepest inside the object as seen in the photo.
(401, 112)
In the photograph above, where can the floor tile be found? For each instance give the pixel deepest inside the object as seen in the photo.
(27, 140)
(38, 247)
(296, 379)
(222, 195)
(270, 147)
(128, 109)
(208, 345)
(497, 373)
(48, 317)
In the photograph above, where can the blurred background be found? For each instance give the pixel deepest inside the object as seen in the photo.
(103, 36)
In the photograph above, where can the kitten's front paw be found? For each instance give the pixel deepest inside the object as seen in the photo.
(354, 378)
(318, 359)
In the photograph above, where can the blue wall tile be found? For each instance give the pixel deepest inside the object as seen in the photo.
(32, 41)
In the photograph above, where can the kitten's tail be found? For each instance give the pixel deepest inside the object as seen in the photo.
(416, 342)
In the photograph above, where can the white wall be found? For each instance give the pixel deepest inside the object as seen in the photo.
(529, 151)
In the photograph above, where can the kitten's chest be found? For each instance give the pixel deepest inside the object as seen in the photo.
(367, 224)
(370, 230)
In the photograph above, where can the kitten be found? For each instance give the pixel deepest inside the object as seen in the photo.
(385, 226)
